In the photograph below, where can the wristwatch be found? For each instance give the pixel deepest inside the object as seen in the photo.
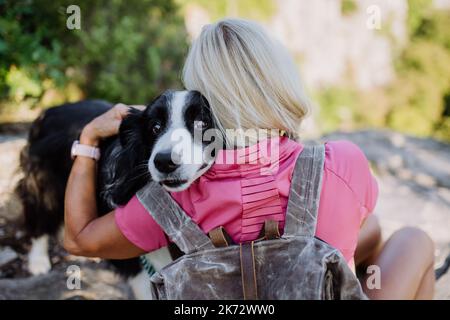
(84, 151)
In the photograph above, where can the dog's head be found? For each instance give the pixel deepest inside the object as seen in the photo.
(167, 139)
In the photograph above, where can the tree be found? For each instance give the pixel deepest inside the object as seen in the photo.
(125, 50)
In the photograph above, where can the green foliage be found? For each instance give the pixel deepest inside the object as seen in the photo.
(125, 51)
(416, 10)
(442, 129)
(250, 9)
(418, 100)
(338, 105)
(418, 96)
(348, 7)
(133, 50)
(29, 50)
(130, 50)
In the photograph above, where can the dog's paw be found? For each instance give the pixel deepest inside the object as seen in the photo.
(39, 264)
(38, 259)
(140, 286)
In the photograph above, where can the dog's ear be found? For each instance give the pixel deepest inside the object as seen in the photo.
(130, 169)
(204, 101)
(133, 123)
(131, 126)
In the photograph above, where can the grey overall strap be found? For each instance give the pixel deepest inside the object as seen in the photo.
(177, 225)
(306, 185)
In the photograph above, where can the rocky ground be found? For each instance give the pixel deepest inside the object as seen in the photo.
(98, 279)
(414, 181)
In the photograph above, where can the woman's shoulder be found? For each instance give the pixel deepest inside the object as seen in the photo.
(347, 162)
(345, 158)
(343, 152)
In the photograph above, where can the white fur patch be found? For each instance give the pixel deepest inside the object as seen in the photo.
(38, 259)
(140, 285)
(159, 258)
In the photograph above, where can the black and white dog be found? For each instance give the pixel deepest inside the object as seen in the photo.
(152, 144)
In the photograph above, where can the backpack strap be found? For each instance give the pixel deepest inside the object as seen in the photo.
(220, 238)
(176, 224)
(306, 185)
(248, 271)
(271, 230)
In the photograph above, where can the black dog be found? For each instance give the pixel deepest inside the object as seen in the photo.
(127, 163)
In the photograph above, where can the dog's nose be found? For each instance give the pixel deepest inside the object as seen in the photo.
(163, 162)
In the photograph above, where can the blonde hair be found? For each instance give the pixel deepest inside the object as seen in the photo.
(249, 79)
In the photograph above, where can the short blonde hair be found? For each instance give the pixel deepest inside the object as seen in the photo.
(249, 79)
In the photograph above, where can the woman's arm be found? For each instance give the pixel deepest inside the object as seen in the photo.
(86, 234)
(369, 240)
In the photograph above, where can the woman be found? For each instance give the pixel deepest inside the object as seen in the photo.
(251, 82)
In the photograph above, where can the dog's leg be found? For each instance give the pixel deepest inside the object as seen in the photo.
(38, 259)
(140, 285)
(159, 258)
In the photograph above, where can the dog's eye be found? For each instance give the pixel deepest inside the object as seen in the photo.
(156, 128)
(200, 125)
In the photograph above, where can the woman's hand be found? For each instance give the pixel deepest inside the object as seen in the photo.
(105, 125)
(86, 233)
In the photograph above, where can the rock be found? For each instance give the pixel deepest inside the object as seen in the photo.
(426, 160)
(7, 255)
(97, 283)
(413, 177)
(444, 268)
(442, 291)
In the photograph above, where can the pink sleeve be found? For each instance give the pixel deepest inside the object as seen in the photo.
(349, 194)
(138, 226)
(349, 163)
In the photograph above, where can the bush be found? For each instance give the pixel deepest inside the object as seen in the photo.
(348, 7)
(125, 51)
(418, 100)
(261, 10)
(418, 96)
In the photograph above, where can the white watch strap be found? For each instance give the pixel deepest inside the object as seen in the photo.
(85, 151)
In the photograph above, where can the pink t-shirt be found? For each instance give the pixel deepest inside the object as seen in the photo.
(240, 197)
